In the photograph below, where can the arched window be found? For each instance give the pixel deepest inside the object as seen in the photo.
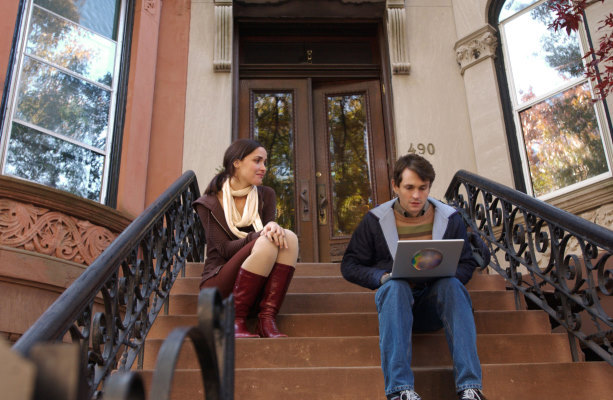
(61, 108)
(562, 136)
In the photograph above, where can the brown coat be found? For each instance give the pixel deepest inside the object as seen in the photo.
(221, 243)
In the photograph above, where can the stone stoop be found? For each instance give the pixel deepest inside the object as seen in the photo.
(333, 350)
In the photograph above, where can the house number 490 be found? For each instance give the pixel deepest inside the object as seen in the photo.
(422, 149)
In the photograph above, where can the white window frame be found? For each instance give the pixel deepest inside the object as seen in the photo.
(17, 68)
(517, 108)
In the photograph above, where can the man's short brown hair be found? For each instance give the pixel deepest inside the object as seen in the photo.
(415, 163)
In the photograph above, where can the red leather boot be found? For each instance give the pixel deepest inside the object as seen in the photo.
(274, 293)
(246, 289)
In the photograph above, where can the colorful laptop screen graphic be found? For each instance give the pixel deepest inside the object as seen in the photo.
(426, 259)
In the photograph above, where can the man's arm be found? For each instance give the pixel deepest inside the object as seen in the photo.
(467, 264)
(362, 263)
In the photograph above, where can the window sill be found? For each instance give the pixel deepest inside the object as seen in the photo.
(586, 198)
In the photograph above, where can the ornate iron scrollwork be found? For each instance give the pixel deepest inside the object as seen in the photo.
(556, 260)
(213, 341)
(110, 308)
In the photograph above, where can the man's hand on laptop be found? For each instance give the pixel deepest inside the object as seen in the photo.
(385, 277)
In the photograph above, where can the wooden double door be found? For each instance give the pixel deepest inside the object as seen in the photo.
(327, 155)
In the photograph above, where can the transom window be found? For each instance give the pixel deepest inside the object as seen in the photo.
(60, 113)
(562, 133)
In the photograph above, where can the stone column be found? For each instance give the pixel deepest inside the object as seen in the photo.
(475, 55)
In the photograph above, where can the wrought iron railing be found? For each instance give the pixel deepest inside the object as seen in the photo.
(110, 308)
(554, 260)
(213, 342)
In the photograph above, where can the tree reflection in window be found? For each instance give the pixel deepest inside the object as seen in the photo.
(54, 162)
(63, 104)
(563, 143)
(556, 120)
(60, 121)
(273, 122)
(349, 162)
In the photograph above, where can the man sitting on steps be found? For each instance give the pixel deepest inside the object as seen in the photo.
(403, 306)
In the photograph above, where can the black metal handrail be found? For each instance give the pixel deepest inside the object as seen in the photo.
(213, 342)
(133, 277)
(559, 262)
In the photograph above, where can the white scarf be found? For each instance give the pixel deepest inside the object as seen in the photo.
(250, 213)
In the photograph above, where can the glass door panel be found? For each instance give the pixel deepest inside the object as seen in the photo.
(275, 112)
(350, 158)
(349, 161)
(273, 127)
(327, 158)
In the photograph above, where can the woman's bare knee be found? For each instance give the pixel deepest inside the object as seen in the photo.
(262, 257)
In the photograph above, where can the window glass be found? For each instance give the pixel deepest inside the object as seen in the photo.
(349, 162)
(274, 129)
(512, 6)
(98, 15)
(59, 127)
(541, 60)
(54, 162)
(563, 143)
(66, 44)
(556, 119)
(63, 104)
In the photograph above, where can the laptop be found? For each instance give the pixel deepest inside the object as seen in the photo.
(422, 260)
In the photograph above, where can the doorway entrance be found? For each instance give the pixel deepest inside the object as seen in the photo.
(324, 132)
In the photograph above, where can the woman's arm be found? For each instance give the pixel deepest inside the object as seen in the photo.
(217, 237)
(269, 206)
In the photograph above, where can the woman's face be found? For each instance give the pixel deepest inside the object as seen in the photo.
(251, 169)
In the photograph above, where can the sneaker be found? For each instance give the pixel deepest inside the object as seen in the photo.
(404, 395)
(471, 394)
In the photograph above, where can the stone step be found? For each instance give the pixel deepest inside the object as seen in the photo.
(480, 281)
(430, 350)
(336, 284)
(298, 303)
(302, 269)
(366, 324)
(300, 284)
(542, 381)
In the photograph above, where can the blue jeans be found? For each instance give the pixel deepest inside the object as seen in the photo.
(443, 303)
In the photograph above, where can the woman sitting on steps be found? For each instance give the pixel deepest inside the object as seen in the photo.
(248, 253)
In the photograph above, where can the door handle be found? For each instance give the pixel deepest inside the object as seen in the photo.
(322, 202)
(304, 196)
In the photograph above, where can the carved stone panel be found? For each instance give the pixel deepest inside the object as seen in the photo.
(53, 233)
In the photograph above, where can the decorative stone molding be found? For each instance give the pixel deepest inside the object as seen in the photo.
(63, 202)
(150, 6)
(56, 223)
(222, 61)
(397, 36)
(476, 47)
(25, 226)
(589, 202)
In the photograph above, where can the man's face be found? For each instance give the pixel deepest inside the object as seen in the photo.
(412, 192)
